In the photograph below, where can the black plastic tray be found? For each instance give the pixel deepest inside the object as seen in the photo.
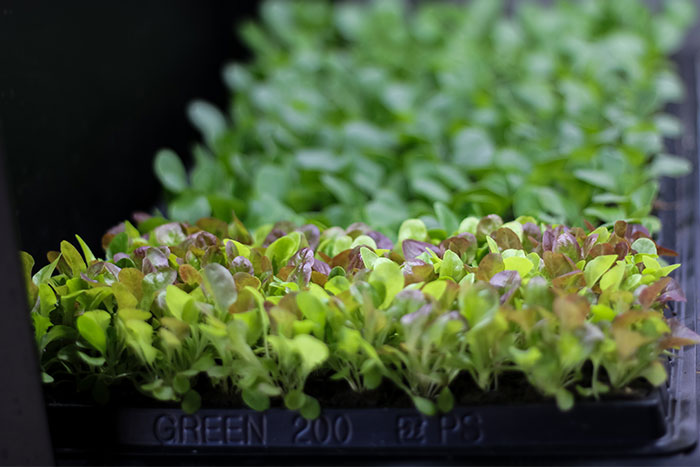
(638, 425)
(663, 423)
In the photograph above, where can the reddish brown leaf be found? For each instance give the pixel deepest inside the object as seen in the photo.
(490, 265)
(557, 264)
(506, 239)
(571, 310)
(672, 293)
(622, 249)
(243, 279)
(188, 274)
(601, 249)
(620, 228)
(416, 270)
(319, 278)
(570, 280)
(651, 292)
(663, 251)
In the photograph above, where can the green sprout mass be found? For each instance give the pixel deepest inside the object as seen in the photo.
(256, 315)
(374, 111)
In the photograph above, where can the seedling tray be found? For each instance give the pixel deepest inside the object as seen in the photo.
(663, 422)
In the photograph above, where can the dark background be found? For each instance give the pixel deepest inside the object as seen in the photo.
(89, 91)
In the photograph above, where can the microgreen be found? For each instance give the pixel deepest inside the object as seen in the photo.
(376, 111)
(258, 315)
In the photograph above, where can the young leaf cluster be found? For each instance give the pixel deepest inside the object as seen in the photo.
(173, 305)
(373, 111)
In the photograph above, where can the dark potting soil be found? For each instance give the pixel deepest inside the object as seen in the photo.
(511, 389)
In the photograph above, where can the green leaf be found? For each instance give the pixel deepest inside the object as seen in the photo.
(320, 160)
(139, 338)
(170, 171)
(57, 333)
(255, 399)
(189, 207)
(387, 276)
(41, 325)
(424, 406)
(430, 189)
(294, 400)
(413, 229)
(599, 178)
(645, 246)
(598, 266)
(342, 190)
(452, 266)
(282, 249)
(191, 402)
(87, 253)
(181, 384)
(313, 352)
(369, 258)
(445, 400)
(518, 263)
(447, 219)
(473, 148)
(669, 166)
(311, 408)
(565, 400)
(208, 120)
(90, 360)
(73, 258)
(219, 284)
(337, 285)
(613, 278)
(47, 299)
(176, 300)
(92, 326)
(27, 265)
(119, 244)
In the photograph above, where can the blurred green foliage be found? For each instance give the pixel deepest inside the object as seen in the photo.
(375, 111)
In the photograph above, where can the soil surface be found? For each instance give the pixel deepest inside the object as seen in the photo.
(511, 389)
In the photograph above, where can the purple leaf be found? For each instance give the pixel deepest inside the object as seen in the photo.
(381, 240)
(302, 262)
(417, 317)
(241, 264)
(120, 256)
(202, 239)
(531, 229)
(548, 240)
(507, 283)
(321, 266)
(635, 231)
(672, 293)
(464, 245)
(589, 243)
(416, 270)
(566, 244)
(272, 236)
(412, 248)
(140, 216)
(153, 258)
(312, 234)
(85, 277)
